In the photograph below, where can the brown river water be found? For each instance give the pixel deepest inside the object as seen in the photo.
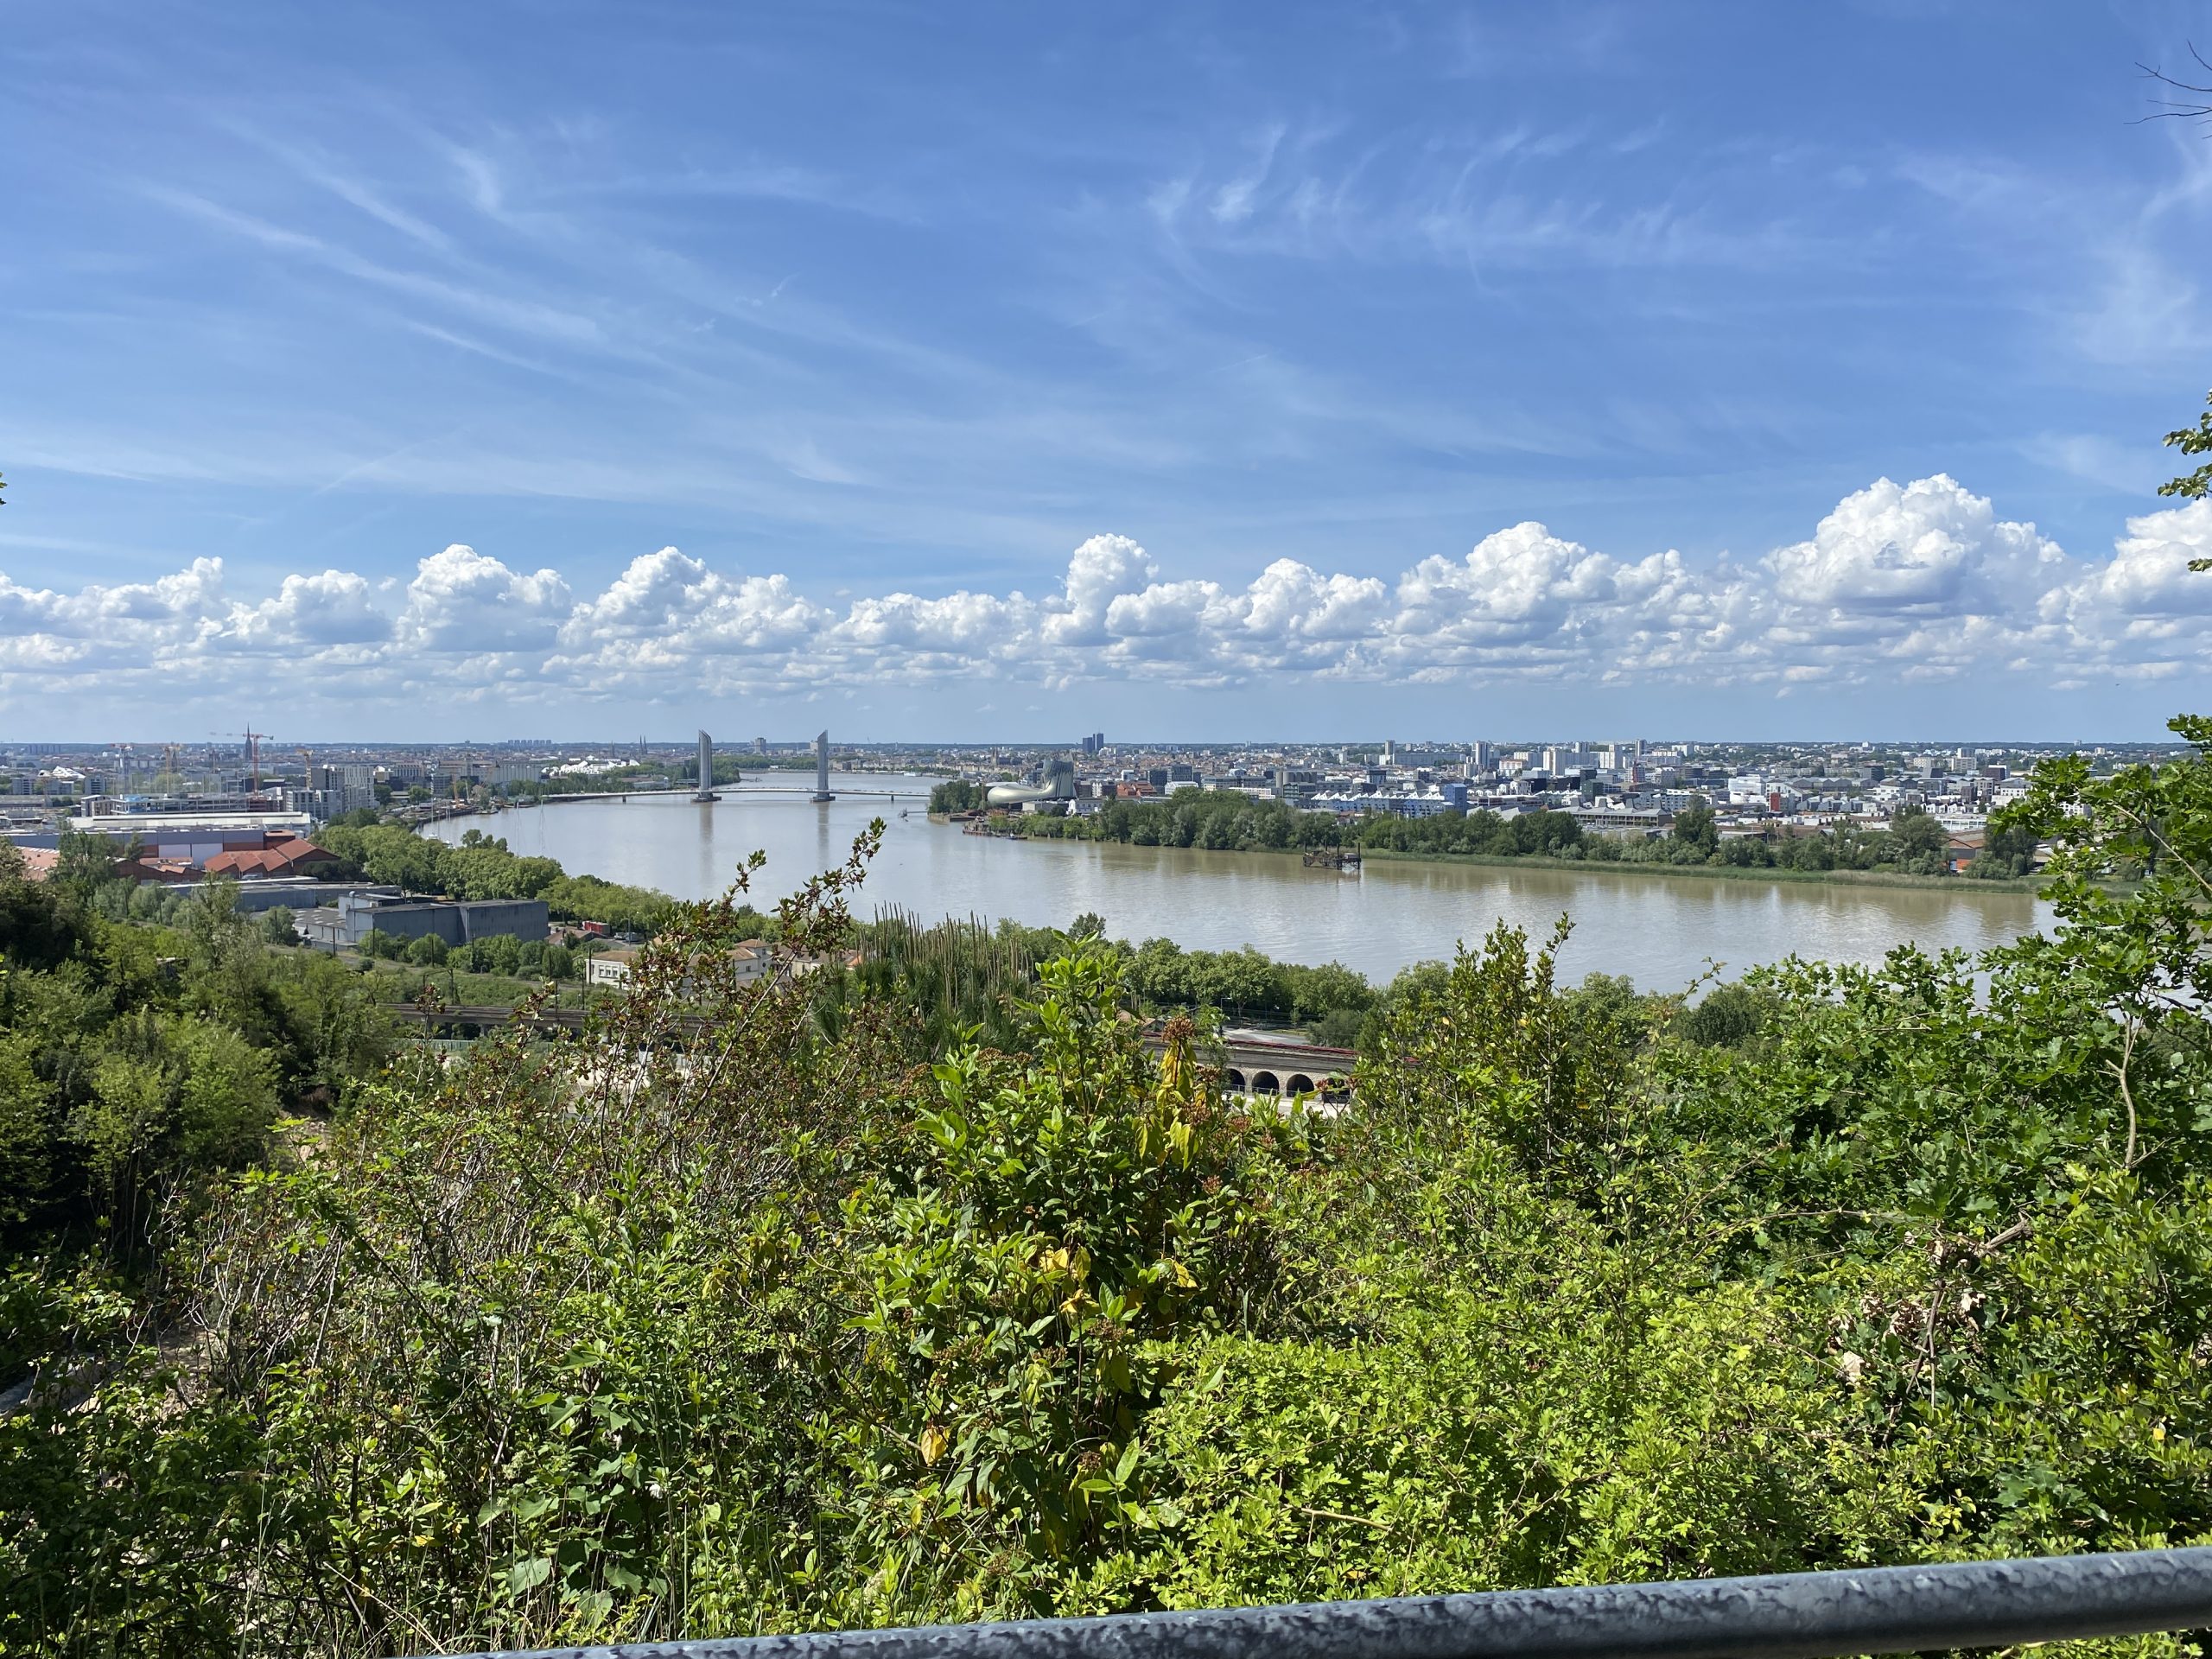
(1660, 930)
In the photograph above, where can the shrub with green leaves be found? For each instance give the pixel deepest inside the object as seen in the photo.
(730, 1314)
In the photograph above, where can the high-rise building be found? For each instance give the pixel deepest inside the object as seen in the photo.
(346, 788)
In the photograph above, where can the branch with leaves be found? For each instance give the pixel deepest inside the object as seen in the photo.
(2192, 487)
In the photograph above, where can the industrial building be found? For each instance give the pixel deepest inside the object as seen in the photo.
(279, 856)
(297, 893)
(343, 925)
(194, 838)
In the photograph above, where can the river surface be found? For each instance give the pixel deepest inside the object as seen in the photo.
(1659, 930)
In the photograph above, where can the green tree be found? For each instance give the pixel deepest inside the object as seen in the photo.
(43, 923)
(1694, 827)
(2196, 484)
(501, 953)
(1726, 1016)
(85, 864)
(2006, 851)
(227, 1095)
(29, 1128)
(1916, 833)
(1316, 992)
(956, 795)
(1338, 1029)
(1252, 982)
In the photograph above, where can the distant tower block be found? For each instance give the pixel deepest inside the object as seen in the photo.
(822, 767)
(706, 790)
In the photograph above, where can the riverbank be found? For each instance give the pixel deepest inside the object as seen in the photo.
(1658, 932)
(2028, 884)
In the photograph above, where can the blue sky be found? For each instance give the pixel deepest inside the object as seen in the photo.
(1010, 370)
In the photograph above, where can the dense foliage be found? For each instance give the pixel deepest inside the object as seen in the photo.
(957, 795)
(957, 976)
(804, 1314)
(1224, 820)
(138, 1064)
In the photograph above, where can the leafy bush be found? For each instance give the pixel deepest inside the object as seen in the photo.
(730, 1316)
(955, 795)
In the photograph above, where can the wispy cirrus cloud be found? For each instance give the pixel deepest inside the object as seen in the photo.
(1497, 198)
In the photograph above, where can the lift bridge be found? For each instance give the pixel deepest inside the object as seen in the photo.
(705, 792)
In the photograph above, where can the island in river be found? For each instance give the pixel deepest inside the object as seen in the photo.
(1661, 929)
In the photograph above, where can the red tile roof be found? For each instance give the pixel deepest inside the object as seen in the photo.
(284, 856)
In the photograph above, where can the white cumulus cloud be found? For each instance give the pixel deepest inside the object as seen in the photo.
(1921, 581)
(461, 601)
(1929, 547)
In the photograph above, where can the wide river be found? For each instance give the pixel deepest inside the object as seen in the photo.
(1659, 930)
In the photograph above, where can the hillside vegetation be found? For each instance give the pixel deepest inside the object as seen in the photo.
(793, 1318)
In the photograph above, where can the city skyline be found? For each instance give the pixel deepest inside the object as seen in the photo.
(1454, 369)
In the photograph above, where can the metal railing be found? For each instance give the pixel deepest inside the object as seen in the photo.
(1788, 1615)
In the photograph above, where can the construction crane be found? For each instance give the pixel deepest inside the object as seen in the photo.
(123, 753)
(252, 756)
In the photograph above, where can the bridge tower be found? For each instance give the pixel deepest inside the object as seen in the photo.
(822, 767)
(706, 789)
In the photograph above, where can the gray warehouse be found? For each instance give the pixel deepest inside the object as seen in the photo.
(345, 925)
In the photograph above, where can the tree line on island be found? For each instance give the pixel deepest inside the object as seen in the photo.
(812, 1312)
(1914, 843)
